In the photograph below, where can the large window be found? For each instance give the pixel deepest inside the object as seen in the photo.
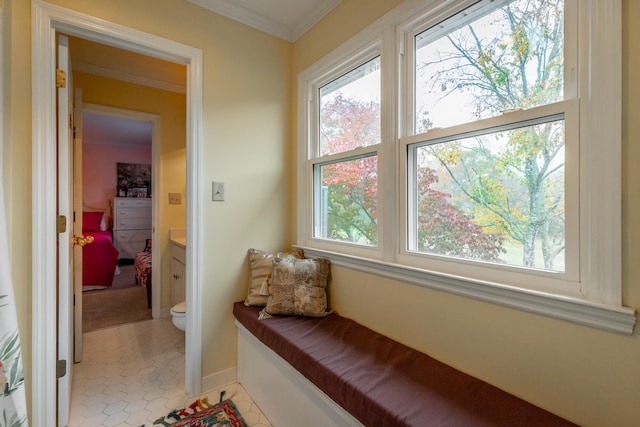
(475, 148)
(487, 179)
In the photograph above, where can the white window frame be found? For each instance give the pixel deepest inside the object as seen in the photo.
(596, 301)
(566, 282)
(323, 77)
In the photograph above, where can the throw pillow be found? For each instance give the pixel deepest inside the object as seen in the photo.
(299, 287)
(260, 266)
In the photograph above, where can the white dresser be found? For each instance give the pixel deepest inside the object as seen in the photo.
(131, 225)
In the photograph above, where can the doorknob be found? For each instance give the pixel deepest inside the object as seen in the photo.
(82, 240)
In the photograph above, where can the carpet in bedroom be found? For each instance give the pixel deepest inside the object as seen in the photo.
(123, 302)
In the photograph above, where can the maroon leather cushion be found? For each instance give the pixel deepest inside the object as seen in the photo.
(384, 383)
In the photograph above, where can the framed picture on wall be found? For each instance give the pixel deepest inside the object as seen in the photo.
(134, 180)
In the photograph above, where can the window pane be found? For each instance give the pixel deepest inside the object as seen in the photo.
(478, 66)
(497, 197)
(350, 110)
(346, 201)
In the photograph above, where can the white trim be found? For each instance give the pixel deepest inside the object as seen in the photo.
(601, 125)
(46, 20)
(246, 16)
(573, 309)
(261, 22)
(220, 379)
(305, 23)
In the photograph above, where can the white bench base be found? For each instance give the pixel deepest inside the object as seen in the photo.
(284, 395)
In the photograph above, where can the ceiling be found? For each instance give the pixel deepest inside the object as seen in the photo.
(285, 19)
(118, 131)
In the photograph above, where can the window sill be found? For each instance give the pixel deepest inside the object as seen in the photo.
(577, 310)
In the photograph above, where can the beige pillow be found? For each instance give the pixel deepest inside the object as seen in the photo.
(260, 266)
(299, 287)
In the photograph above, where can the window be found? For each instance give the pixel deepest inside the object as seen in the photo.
(486, 178)
(345, 165)
(474, 149)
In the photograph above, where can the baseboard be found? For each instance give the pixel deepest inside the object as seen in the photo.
(220, 379)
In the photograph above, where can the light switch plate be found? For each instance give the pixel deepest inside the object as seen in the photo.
(175, 198)
(218, 191)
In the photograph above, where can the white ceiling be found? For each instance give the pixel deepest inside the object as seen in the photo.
(287, 19)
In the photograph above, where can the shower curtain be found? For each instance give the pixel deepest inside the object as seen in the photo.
(13, 407)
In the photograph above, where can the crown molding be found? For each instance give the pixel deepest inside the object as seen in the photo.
(263, 23)
(318, 12)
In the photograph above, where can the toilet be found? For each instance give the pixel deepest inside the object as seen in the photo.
(178, 315)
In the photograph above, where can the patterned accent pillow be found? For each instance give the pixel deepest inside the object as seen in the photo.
(299, 287)
(260, 266)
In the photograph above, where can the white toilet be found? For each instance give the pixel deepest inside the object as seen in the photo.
(178, 315)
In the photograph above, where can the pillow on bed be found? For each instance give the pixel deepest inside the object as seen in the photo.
(260, 266)
(103, 223)
(91, 221)
(299, 287)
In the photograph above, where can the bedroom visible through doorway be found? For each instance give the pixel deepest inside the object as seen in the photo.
(116, 155)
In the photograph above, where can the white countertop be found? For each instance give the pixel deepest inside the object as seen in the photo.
(177, 236)
(179, 241)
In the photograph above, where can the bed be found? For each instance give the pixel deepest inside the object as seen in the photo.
(100, 258)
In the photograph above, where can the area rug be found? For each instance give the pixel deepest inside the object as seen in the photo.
(202, 414)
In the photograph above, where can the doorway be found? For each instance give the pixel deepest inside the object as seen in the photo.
(112, 139)
(46, 20)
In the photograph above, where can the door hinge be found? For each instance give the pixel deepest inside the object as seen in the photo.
(61, 224)
(61, 78)
(61, 368)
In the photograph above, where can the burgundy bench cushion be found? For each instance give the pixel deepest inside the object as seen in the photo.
(384, 383)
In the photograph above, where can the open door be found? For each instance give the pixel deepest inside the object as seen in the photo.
(70, 226)
(65, 233)
(76, 187)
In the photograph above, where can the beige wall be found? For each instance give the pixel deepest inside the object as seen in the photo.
(245, 114)
(171, 107)
(583, 374)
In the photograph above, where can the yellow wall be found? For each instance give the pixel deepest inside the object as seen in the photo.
(171, 107)
(245, 114)
(583, 374)
(586, 375)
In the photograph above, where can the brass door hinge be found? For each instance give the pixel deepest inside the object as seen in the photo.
(61, 224)
(61, 78)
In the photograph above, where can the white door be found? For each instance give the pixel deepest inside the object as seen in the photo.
(76, 187)
(66, 251)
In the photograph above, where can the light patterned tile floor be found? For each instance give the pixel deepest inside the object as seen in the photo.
(131, 375)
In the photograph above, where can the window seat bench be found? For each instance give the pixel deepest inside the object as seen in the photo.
(346, 374)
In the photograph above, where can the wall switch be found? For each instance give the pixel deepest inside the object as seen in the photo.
(218, 192)
(175, 198)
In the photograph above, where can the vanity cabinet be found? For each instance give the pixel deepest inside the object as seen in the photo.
(131, 225)
(177, 271)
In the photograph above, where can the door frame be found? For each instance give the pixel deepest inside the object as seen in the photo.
(46, 20)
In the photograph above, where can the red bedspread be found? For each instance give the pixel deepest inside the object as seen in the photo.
(99, 260)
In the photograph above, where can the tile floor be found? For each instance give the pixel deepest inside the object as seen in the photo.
(133, 374)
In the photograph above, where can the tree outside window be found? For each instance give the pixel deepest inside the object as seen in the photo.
(504, 185)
